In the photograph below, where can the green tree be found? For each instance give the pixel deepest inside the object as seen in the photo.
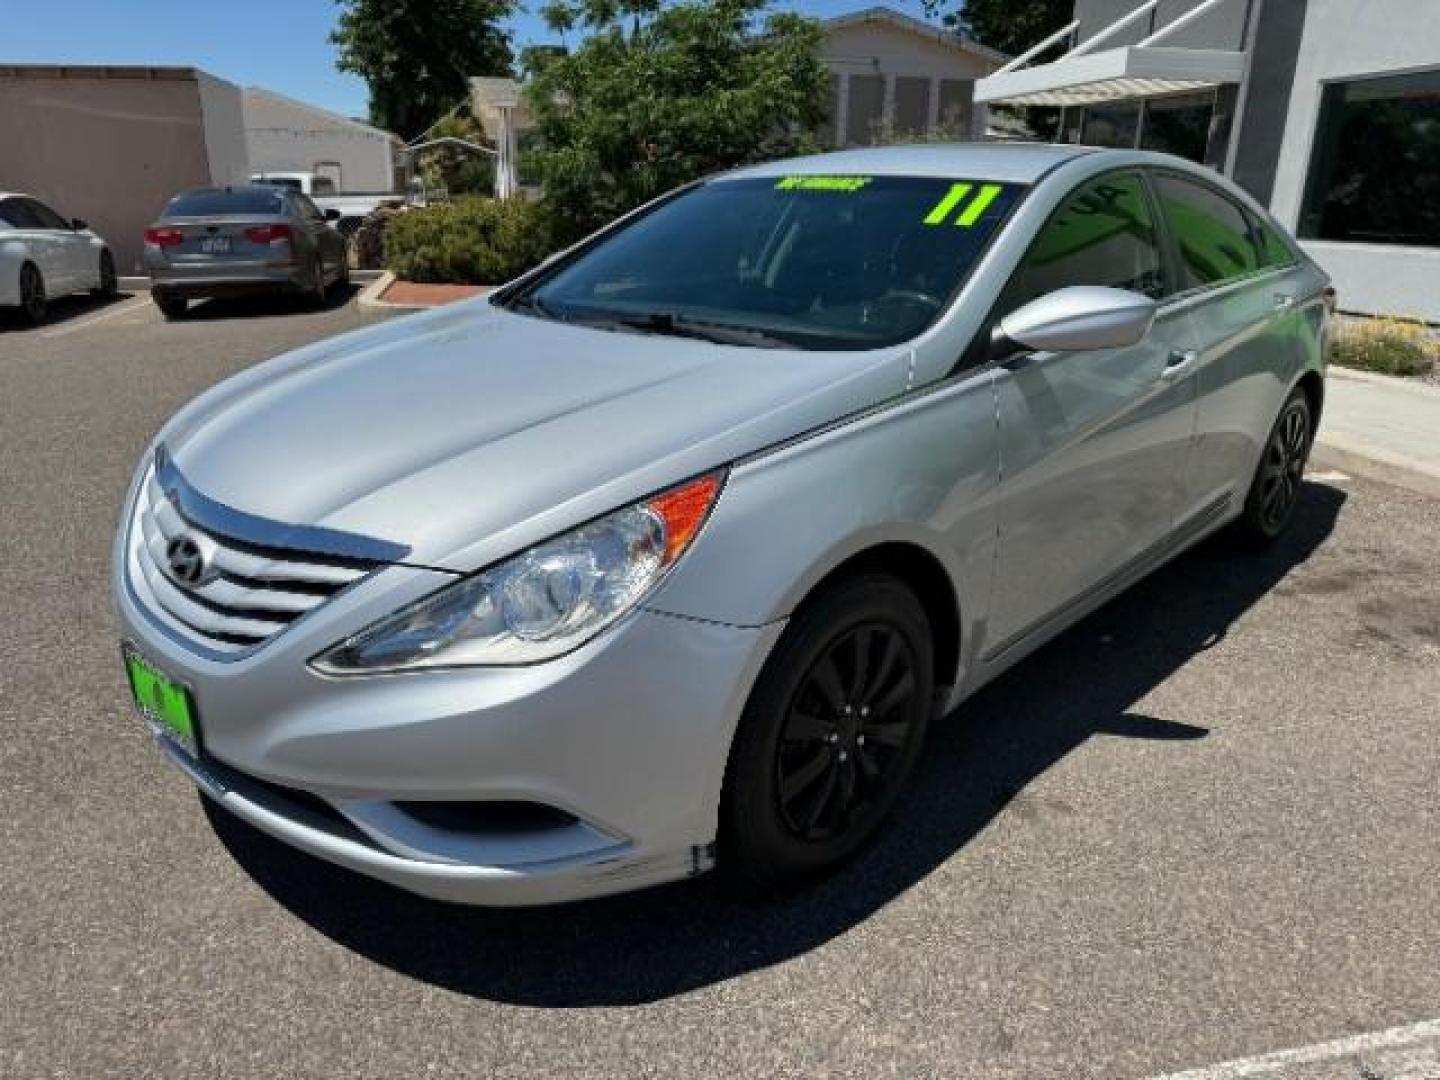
(1012, 26)
(415, 55)
(660, 93)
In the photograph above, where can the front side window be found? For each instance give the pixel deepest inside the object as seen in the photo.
(811, 262)
(44, 217)
(1103, 234)
(1212, 234)
(1375, 171)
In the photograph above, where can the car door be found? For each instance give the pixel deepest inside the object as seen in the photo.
(68, 250)
(1251, 300)
(1093, 444)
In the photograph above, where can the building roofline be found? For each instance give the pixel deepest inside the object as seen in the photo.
(105, 71)
(339, 118)
(910, 24)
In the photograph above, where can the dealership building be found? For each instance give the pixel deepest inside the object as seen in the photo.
(1327, 111)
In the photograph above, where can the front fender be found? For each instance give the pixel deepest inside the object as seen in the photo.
(922, 470)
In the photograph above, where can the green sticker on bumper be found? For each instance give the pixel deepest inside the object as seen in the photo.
(160, 699)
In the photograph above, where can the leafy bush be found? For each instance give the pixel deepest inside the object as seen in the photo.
(470, 241)
(1386, 345)
(661, 92)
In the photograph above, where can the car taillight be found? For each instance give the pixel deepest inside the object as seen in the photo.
(268, 234)
(163, 237)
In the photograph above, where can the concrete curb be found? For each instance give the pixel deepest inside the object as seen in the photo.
(1358, 458)
(1394, 382)
(369, 297)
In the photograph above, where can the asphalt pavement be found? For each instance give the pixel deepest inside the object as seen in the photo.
(1202, 825)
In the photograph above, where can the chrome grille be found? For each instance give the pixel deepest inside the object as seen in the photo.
(248, 593)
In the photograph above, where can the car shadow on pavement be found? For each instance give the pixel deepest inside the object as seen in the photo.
(63, 309)
(652, 945)
(263, 305)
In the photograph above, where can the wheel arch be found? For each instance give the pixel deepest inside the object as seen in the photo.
(1313, 384)
(925, 576)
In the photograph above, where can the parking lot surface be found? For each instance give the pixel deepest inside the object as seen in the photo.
(1204, 825)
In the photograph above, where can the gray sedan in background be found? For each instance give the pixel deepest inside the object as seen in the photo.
(237, 240)
(666, 554)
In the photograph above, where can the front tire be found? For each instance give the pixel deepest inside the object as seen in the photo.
(830, 733)
(109, 285)
(1275, 488)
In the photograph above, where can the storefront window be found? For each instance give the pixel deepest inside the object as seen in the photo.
(1111, 125)
(1178, 125)
(1375, 171)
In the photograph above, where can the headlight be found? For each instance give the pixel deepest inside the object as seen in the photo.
(542, 603)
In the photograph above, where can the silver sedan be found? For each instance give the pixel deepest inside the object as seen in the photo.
(667, 554)
(237, 240)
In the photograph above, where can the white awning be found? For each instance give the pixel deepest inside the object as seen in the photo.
(1114, 75)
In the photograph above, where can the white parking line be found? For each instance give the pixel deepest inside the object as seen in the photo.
(1402, 1053)
(122, 308)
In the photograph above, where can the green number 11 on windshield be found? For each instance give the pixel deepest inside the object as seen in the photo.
(955, 197)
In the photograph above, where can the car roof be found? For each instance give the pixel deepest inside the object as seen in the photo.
(237, 189)
(1014, 163)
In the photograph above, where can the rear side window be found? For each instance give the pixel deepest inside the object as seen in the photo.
(14, 214)
(214, 203)
(288, 182)
(1212, 234)
(1103, 234)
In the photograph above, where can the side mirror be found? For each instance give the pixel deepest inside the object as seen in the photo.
(1076, 319)
(79, 224)
(331, 214)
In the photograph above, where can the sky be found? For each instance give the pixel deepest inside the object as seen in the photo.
(282, 45)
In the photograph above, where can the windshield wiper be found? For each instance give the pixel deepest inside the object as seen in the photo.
(672, 325)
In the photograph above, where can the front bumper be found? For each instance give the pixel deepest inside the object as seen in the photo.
(628, 737)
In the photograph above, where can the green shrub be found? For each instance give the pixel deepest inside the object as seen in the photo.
(470, 241)
(1386, 345)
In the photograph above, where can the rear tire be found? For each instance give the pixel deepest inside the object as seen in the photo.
(829, 735)
(108, 286)
(172, 307)
(34, 305)
(319, 293)
(1275, 488)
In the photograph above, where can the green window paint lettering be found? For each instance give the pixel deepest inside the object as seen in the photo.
(971, 214)
(847, 184)
(951, 200)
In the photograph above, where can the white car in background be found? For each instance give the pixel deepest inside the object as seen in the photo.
(42, 256)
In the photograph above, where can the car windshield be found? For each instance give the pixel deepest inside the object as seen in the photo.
(811, 262)
(217, 203)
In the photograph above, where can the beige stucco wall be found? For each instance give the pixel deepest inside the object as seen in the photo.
(111, 148)
(282, 135)
(874, 56)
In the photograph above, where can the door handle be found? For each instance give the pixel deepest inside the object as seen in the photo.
(1178, 362)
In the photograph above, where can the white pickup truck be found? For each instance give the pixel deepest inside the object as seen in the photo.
(354, 207)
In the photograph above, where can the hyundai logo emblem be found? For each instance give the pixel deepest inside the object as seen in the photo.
(187, 561)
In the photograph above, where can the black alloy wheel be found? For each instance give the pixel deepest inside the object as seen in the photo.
(1275, 490)
(846, 731)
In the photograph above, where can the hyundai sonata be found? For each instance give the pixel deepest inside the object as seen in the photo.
(667, 553)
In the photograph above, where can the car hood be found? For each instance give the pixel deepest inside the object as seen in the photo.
(467, 433)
